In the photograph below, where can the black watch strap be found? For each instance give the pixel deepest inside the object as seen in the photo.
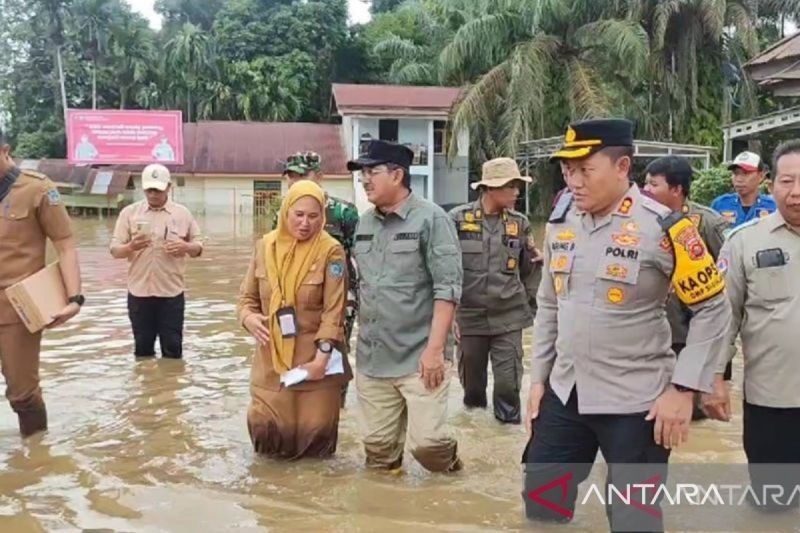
(681, 388)
(79, 299)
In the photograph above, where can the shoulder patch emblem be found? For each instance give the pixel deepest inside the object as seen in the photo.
(469, 216)
(729, 216)
(336, 269)
(696, 219)
(53, 197)
(512, 229)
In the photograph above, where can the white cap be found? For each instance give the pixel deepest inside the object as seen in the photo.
(747, 161)
(155, 176)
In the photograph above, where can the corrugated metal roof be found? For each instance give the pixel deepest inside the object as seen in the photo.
(394, 99)
(786, 48)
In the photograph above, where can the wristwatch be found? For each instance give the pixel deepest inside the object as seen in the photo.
(79, 299)
(681, 388)
(325, 347)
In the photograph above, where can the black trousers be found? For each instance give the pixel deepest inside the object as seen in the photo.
(563, 449)
(772, 443)
(153, 317)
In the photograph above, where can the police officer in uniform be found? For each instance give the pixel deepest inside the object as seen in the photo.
(31, 211)
(603, 374)
(497, 249)
(669, 180)
(341, 219)
(761, 265)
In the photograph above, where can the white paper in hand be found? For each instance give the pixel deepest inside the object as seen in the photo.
(299, 375)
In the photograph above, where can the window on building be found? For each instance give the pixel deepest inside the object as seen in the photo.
(439, 137)
(388, 130)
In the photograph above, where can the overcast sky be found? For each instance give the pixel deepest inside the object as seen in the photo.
(359, 11)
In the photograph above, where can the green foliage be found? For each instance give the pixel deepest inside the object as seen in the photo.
(708, 184)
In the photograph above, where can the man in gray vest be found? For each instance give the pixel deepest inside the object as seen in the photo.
(497, 249)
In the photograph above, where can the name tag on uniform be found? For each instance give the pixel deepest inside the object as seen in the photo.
(287, 320)
(406, 237)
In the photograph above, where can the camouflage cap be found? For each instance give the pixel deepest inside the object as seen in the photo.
(296, 163)
(312, 161)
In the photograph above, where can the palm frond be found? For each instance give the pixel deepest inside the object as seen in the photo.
(586, 94)
(738, 16)
(412, 73)
(662, 14)
(624, 41)
(396, 47)
(479, 44)
(474, 109)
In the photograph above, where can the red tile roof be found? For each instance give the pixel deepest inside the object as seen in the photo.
(393, 99)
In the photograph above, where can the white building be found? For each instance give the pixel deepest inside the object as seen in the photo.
(414, 116)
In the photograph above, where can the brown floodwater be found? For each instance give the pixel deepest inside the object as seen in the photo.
(158, 445)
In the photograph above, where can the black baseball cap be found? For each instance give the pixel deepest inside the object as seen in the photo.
(382, 152)
(586, 137)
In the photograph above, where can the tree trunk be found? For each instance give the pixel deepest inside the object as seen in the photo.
(123, 93)
(94, 83)
(188, 105)
(63, 85)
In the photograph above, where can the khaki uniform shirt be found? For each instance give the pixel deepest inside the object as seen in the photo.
(406, 260)
(495, 252)
(152, 271)
(766, 309)
(319, 308)
(601, 325)
(31, 213)
(712, 228)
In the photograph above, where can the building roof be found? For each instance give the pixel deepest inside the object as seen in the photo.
(786, 48)
(394, 100)
(225, 148)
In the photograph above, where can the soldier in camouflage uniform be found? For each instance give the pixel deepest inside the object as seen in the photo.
(341, 218)
(669, 181)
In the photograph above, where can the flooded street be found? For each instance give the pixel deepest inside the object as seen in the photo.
(159, 445)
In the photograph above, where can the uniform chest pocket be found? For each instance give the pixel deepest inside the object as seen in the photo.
(771, 284)
(472, 254)
(404, 258)
(362, 247)
(616, 280)
(310, 294)
(14, 218)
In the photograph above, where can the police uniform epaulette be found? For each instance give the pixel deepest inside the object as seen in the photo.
(739, 228)
(659, 209)
(460, 208)
(704, 209)
(34, 174)
(559, 213)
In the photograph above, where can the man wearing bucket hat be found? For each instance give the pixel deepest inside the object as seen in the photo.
(155, 236)
(497, 251)
(341, 219)
(603, 374)
(747, 203)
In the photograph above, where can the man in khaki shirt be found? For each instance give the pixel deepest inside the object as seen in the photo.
(31, 212)
(155, 235)
(761, 265)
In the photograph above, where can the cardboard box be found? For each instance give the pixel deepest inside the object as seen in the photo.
(38, 297)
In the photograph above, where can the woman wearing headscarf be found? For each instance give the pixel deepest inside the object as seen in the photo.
(292, 301)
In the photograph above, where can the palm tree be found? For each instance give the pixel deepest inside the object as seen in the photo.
(529, 65)
(95, 17)
(188, 60)
(132, 55)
